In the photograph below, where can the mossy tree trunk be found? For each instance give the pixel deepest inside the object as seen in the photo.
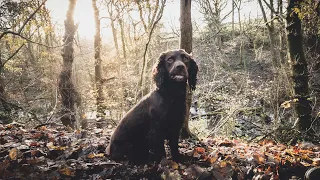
(69, 95)
(299, 66)
(186, 44)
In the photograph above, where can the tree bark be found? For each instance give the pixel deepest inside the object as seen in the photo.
(298, 66)
(69, 95)
(98, 74)
(186, 44)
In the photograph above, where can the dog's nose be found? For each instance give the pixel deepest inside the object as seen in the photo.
(180, 67)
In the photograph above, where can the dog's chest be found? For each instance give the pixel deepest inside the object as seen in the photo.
(174, 113)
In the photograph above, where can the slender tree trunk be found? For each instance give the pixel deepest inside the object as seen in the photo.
(270, 28)
(98, 74)
(113, 26)
(233, 19)
(123, 39)
(4, 115)
(186, 44)
(115, 39)
(282, 35)
(69, 95)
(299, 66)
(241, 50)
(3, 98)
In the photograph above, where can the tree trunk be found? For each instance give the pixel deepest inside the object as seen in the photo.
(241, 48)
(233, 19)
(186, 44)
(98, 74)
(69, 95)
(282, 34)
(113, 27)
(5, 114)
(123, 40)
(299, 66)
(115, 39)
(270, 28)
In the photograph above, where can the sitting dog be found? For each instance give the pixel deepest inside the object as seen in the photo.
(159, 115)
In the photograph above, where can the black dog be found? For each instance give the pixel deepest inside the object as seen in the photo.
(159, 115)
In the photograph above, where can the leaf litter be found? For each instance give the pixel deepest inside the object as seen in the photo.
(50, 152)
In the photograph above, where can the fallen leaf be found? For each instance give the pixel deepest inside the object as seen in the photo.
(200, 150)
(93, 155)
(13, 153)
(174, 165)
(66, 171)
(259, 158)
(316, 161)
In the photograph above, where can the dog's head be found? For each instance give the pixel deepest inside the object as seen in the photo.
(176, 66)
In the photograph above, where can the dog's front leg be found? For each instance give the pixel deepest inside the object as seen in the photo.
(156, 146)
(173, 143)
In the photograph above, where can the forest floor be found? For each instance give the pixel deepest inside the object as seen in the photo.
(56, 152)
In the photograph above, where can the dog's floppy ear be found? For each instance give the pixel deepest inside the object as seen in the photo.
(193, 71)
(159, 71)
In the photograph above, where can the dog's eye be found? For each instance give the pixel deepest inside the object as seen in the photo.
(185, 59)
(170, 60)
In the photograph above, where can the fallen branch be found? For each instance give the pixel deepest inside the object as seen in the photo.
(208, 114)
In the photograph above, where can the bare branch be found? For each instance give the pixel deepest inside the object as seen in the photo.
(31, 41)
(149, 39)
(273, 10)
(24, 23)
(12, 55)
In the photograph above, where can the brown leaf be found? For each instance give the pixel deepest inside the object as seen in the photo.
(212, 159)
(227, 144)
(93, 155)
(34, 144)
(174, 165)
(42, 128)
(200, 150)
(223, 164)
(66, 171)
(259, 158)
(9, 126)
(13, 153)
(316, 161)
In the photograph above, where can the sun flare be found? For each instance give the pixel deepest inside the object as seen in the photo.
(83, 15)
